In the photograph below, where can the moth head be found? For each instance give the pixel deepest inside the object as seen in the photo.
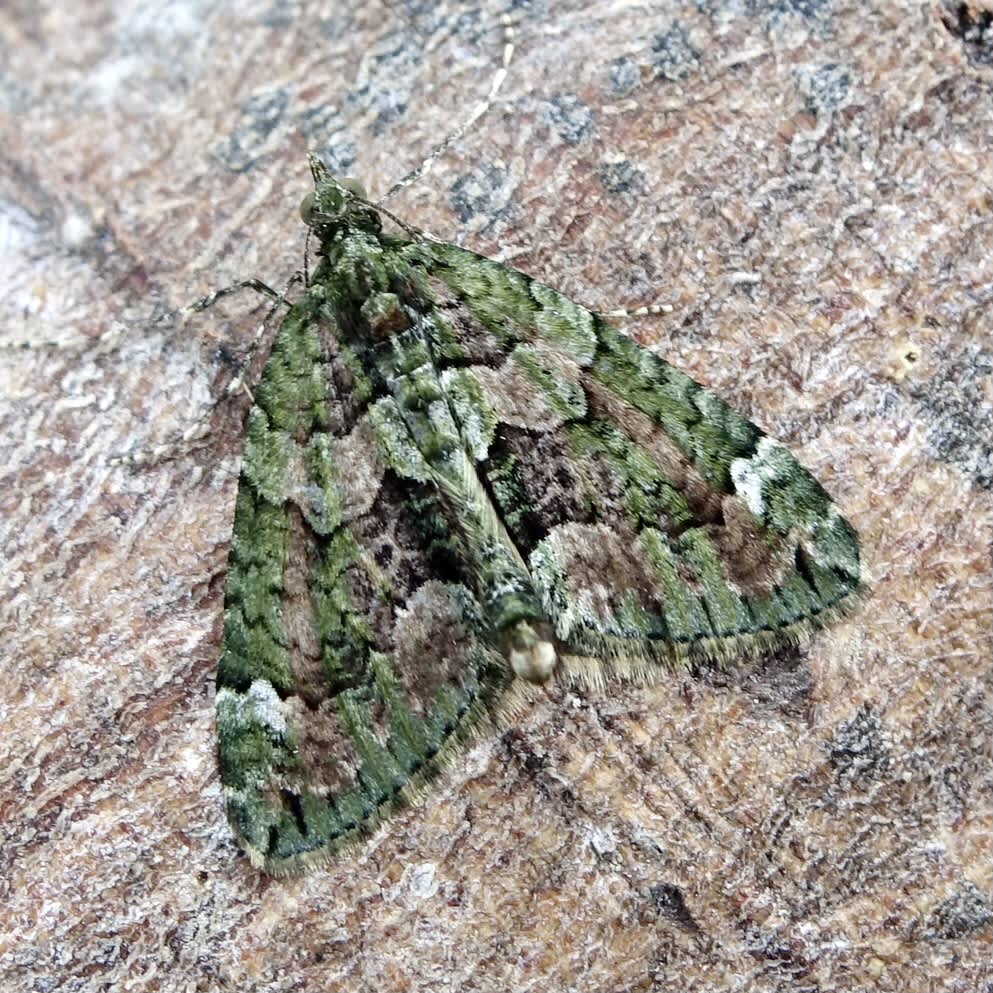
(336, 203)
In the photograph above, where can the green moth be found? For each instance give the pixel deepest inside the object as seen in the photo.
(454, 480)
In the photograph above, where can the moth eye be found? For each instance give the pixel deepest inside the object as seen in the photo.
(307, 209)
(353, 185)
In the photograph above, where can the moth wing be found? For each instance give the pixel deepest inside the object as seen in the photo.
(353, 661)
(657, 523)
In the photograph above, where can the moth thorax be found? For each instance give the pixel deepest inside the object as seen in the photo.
(531, 653)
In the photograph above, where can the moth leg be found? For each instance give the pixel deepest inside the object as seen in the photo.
(179, 444)
(237, 383)
(117, 331)
(103, 342)
(100, 344)
(205, 303)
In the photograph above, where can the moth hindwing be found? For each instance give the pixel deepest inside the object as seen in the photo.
(454, 478)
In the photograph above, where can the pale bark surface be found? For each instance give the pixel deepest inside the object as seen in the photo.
(808, 184)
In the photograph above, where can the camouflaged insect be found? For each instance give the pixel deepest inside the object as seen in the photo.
(455, 478)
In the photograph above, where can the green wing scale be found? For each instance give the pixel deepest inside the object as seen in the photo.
(454, 478)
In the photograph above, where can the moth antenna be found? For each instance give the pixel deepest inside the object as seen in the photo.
(648, 310)
(474, 115)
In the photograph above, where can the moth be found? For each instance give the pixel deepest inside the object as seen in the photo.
(456, 481)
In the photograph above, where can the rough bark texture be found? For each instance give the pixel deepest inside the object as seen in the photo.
(808, 184)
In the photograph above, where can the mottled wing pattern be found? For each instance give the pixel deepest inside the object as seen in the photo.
(453, 476)
(656, 522)
(354, 651)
